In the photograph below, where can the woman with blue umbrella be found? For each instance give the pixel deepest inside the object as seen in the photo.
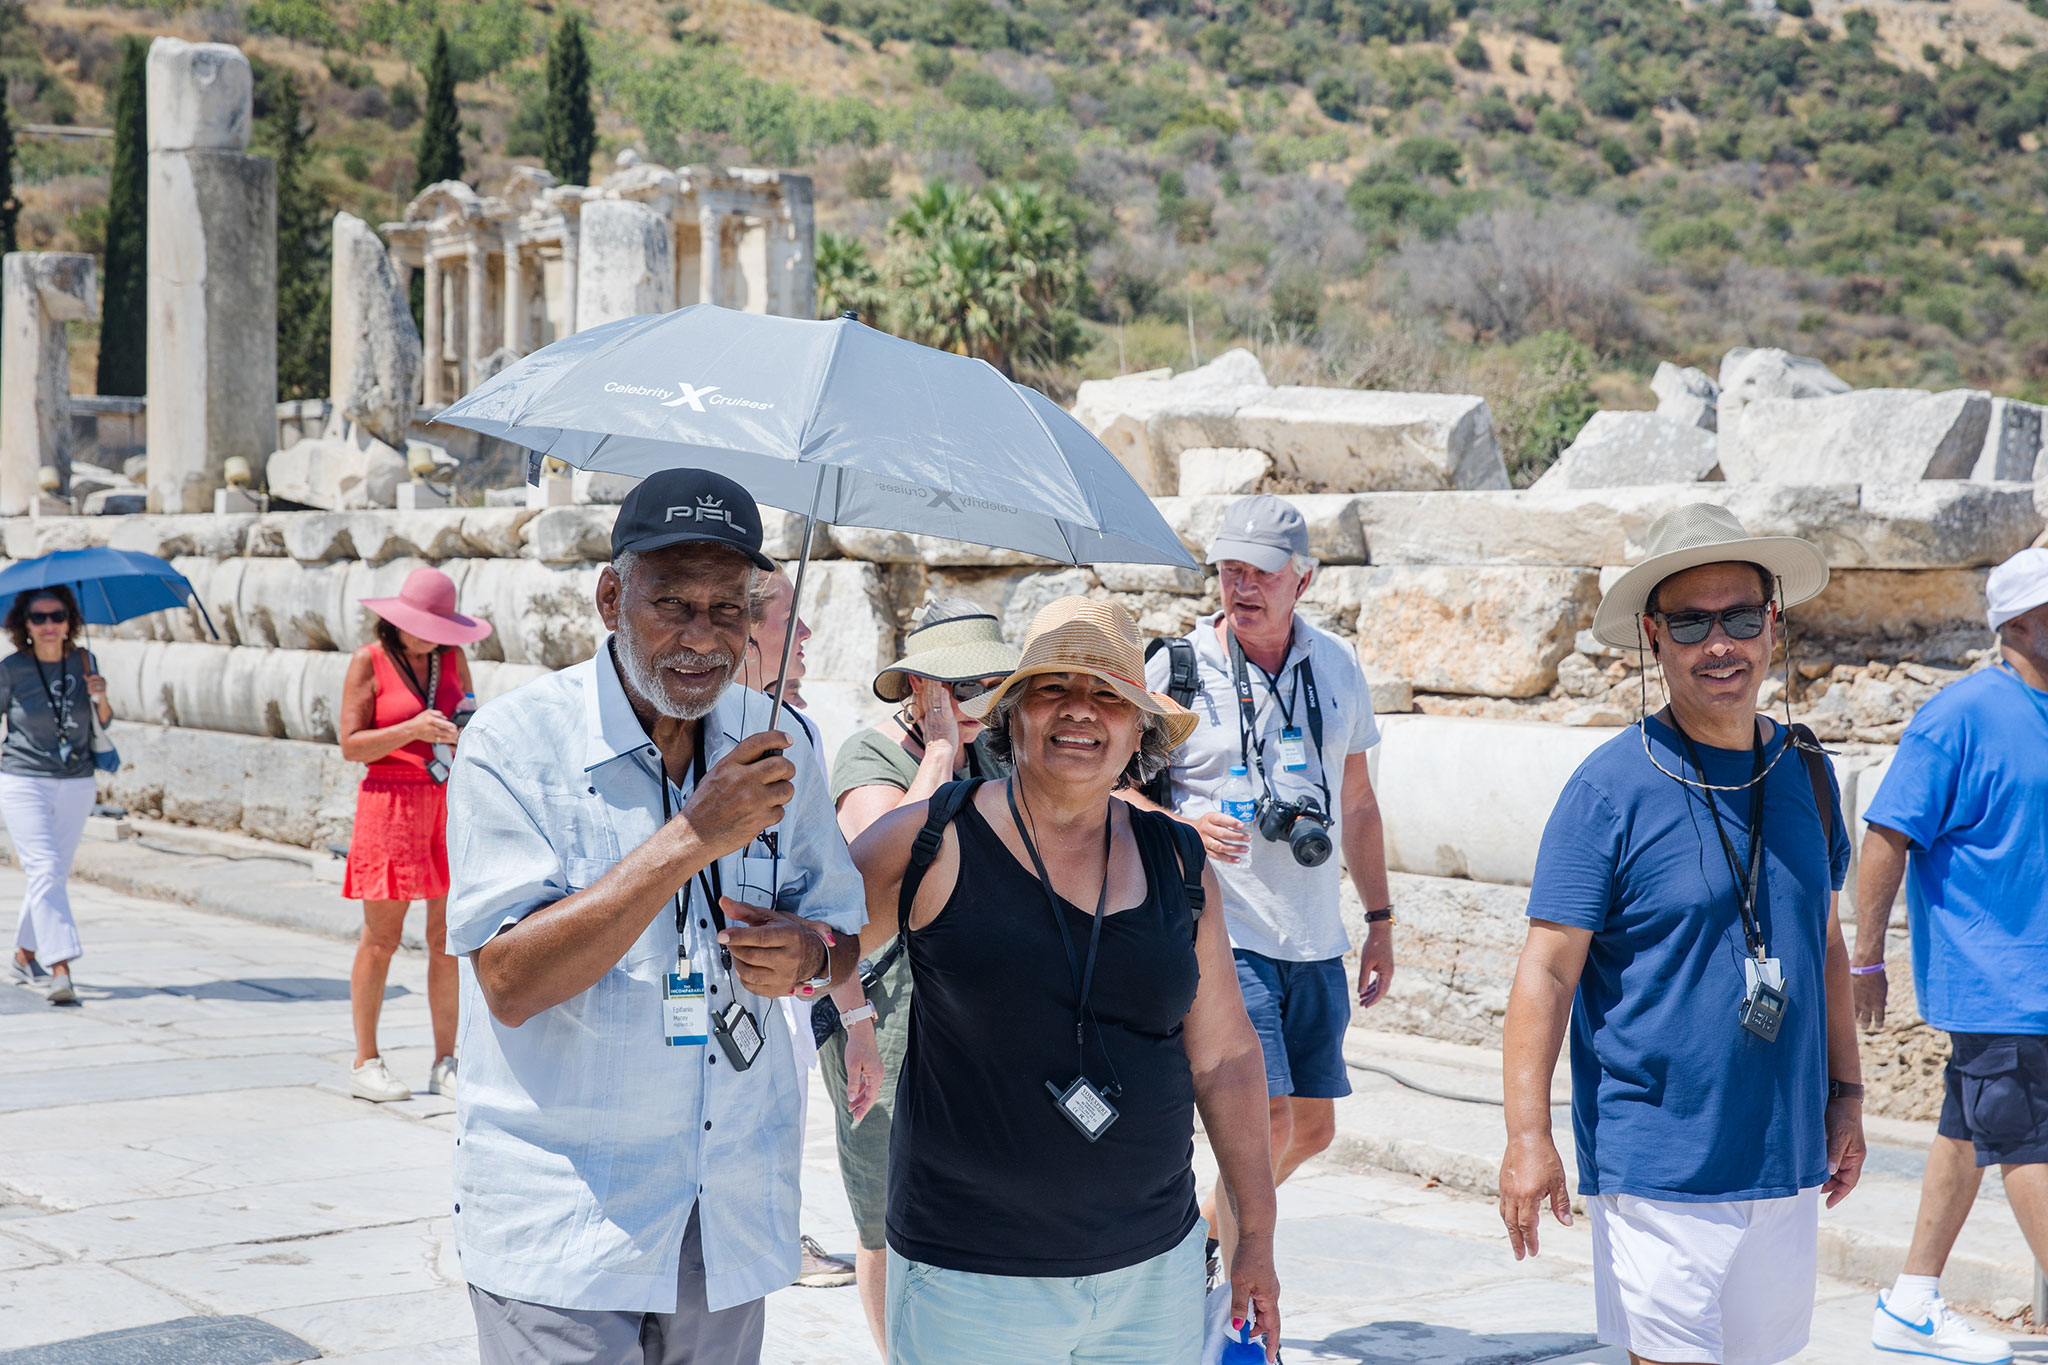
(53, 695)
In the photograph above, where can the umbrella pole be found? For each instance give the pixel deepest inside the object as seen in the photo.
(796, 598)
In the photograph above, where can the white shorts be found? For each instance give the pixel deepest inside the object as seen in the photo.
(1725, 1283)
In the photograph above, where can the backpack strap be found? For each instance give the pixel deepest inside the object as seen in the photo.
(942, 810)
(1182, 679)
(1817, 774)
(1161, 837)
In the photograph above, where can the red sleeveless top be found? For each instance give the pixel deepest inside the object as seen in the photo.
(398, 703)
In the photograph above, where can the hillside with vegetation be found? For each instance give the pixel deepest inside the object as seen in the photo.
(1534, 200)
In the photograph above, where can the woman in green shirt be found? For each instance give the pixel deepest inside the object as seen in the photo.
(955, 654)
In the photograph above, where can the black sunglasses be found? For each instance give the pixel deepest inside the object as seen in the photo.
(49, 618)
(1691, 627)
(967, 689)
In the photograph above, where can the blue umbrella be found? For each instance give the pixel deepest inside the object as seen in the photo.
(111, 585)
(832, 419)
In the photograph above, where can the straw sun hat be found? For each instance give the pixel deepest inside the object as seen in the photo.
(948, 647)
(1696, 534)
(1080, 635)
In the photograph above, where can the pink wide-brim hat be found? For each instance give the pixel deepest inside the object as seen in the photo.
(425, 606)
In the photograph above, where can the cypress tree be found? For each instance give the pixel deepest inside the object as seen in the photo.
(305, 244)
(10, 207)
(571, 132)
(439, 153)
(124, 290)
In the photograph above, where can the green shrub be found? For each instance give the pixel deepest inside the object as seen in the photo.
(934, 66)
(1798, 9)
(1561, 121)
(869, 178)
(1492, 114)
(1297, 303)
(1688, 235)
(1431, 156)
(1615, 153)
(1337, 97)
(1470, 53)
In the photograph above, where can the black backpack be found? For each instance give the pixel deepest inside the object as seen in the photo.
(1183, 680)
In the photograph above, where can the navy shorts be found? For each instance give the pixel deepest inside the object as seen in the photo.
(1998, 1097)
(1300, 1011)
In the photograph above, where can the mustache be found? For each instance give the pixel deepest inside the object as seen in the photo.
(723, 659)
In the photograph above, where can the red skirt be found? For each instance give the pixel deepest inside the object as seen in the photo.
(399, 851)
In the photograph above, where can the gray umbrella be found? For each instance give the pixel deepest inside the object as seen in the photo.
(832, 419)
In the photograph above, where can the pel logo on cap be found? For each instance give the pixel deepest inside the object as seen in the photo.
(692, 395)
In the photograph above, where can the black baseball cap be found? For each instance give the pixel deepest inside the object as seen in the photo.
(673, 506)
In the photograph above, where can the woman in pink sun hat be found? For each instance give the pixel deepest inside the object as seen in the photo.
(401, 704)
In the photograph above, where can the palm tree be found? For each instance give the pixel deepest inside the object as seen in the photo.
(959, 295)
(937, 209)
(847, 278)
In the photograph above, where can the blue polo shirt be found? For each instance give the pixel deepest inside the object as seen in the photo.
(1671, 1097)
(1969, 789)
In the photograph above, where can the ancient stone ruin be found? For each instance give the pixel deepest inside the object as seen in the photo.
(40, 291)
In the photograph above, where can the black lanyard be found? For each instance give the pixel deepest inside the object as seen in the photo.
(433, 687)
(708, 875)
(1745, 888)
(1249, 740)
(60, 714)
(1084, 976)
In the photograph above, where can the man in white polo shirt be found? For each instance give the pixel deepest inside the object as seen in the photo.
(1287, 702)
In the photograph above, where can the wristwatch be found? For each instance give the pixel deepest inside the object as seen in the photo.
(1383, 915)
(858, 1014)
(1844, 1090)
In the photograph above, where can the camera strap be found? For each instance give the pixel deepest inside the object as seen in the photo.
(1084, 975)
(1250, 742)
(60, 712)
(433, 687)
(1745, 887)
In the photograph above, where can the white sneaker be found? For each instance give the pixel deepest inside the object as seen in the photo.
(817, 1269)
(1937, 1333)
(374, 1081)
(59, 989)
(441, 1080)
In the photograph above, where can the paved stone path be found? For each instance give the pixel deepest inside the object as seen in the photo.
(182, 1146)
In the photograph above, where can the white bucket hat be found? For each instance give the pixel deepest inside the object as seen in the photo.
(2017, 586)
(1696, 534)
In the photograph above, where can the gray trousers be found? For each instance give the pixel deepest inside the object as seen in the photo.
(513, 1332)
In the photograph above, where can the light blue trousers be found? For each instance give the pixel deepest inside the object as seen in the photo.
(1146, 1314)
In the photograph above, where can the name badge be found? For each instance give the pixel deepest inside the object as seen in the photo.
(1293, 751)
(684, 1016)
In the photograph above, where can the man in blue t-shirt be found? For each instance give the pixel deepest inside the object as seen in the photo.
(1682, 921)
(1964, 809)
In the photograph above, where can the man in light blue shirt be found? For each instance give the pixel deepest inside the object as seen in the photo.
(628, 1136)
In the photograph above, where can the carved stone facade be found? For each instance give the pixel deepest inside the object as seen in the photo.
(503, 271)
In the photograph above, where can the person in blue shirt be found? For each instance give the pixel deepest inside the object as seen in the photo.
(1962, 819)
(1682, 922)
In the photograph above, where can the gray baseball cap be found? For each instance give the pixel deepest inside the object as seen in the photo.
(1263, 531)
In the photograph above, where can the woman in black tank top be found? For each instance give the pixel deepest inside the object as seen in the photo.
(1073, 1007)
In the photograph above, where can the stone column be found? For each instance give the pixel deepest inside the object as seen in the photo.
(792, 269)
(212, 276)
(39, 292)
(373, 347)
(430, 387)
(473, 291)
(626, 265)
(710, 225)
(750, 257)
(513, 296)
(572, 237)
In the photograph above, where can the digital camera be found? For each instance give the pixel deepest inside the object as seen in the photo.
(1300, 824)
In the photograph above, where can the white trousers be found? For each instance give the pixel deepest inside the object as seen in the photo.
(46, 818)
(1729, 1282)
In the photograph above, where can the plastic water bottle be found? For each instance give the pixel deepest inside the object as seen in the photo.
(1236, 798)
(464, 709)
(1241, 1348)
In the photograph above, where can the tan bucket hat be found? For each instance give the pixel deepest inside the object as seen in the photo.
(1701, 533)
(953, 650)
(1082, 635)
